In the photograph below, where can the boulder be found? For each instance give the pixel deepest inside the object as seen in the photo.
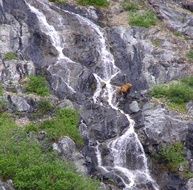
(6, 185)
(189, 184)
(67, 149)
(134, 107)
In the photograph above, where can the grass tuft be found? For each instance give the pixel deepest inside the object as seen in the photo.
(23, 160)
(144, 19)
(37, 85)
(10, 56)
(97, 3)
(176, 94)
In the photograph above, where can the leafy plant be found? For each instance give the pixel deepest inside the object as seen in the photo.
(176, 94)
(10, 56)
(37, 85)
(64, 124)
(23, 160)
(98, 3)
(173, 155)
(142, 19)
(43, 107)
(58, 1)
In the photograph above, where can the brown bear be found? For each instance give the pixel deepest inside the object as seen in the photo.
(125, 88)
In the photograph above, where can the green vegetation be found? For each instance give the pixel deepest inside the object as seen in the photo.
(173, 155)
(3, 105)
(10, 56)
(43, 107)
(64, 124)
(130, 6)
(142, 19)
(97, 3)
(24, 160)
(37, 85)
(189, 55)
(176, 94)
(1, 90)
(58, 1)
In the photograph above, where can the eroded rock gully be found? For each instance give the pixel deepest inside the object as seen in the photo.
(85, 64)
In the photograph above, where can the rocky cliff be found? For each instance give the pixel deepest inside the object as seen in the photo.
(86, 54)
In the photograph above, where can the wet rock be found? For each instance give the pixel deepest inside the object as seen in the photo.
(189, 184)
(134, 107)
(102, 121)
(6, 185)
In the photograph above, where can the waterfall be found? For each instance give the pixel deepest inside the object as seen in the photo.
(118, 146)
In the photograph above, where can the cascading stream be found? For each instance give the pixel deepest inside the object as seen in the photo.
(117, 146)
(54, 36)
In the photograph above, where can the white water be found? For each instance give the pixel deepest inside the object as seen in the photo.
(54, 36)
(117, 146)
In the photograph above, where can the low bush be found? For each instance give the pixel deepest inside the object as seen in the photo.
(142, 19)
(97, 3)
(10, 56)
(58, 1)
(64, 123)
(23, 160)
(37, 85)
(176, 94)
(173, 155)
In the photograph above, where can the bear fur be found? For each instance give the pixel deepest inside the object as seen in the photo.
(125, 88)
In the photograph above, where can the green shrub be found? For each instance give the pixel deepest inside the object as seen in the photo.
(189, 55)
(142, 19)
(130, 6)
(37, 85)
(25, 162)
(98, 3)
(10, 56)
(58, 1)
(188, 81)
(173, 155)
(176, 94)
(1, 90)
(64, 124)
(43, 107)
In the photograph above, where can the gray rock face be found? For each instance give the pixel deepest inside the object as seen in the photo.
(189, 184)
(67, 148)
(189, 107)
(162, 126)
(177, 18)
(144, 63)
(19, 103)
(6, 185)
(70, 56)
(13, 71)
